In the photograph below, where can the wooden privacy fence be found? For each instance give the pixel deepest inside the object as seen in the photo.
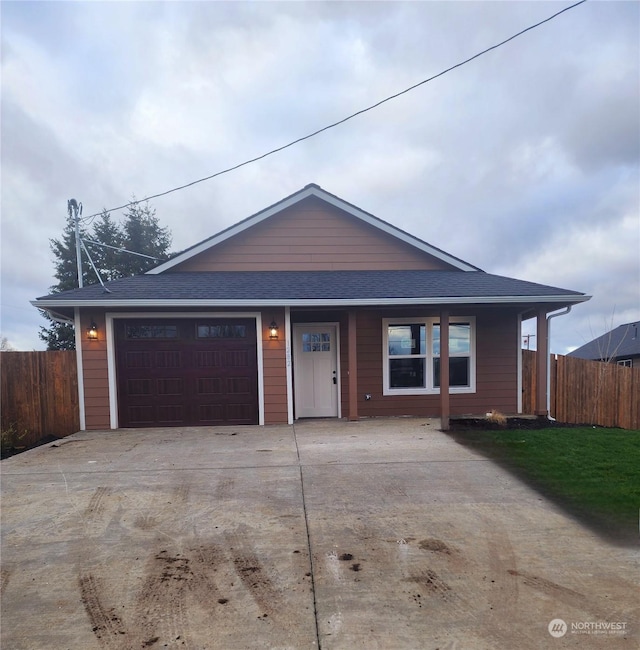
(39, 394)
(586, 392)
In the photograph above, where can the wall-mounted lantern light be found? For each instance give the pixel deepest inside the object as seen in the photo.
(273, 331)
(92, 331)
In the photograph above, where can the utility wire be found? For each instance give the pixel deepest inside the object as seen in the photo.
(345, 119)
(119, 249)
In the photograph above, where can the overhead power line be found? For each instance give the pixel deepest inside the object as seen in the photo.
(345, 119)
(119, 249)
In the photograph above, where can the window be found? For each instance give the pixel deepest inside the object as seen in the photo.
(627, 363)
(316, 342)
(412, 356)
(151, 332)
(226, 331)
(459, 354)
(407, 355)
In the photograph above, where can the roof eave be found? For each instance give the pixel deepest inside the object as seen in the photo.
(315, 302)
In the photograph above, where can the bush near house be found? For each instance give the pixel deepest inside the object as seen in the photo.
(12, 439)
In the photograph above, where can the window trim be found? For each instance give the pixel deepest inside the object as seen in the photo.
(429, 388)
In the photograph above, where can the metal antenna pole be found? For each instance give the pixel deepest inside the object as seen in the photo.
(93, 266)
(75, 209)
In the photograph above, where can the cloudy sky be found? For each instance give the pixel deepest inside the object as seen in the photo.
(524, 162)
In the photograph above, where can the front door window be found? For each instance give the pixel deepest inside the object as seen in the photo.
(316, 342)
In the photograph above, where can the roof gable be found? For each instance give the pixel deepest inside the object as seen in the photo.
(408, 247)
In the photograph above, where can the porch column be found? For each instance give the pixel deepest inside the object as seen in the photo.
(444, 369)
(542, 359)
(352, 367)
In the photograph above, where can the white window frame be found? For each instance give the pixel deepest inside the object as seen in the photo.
(625, 363)
(429, 388)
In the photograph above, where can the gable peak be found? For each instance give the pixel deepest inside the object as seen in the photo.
(314, 190)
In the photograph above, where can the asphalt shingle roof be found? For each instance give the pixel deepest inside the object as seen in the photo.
(621, 342)
(311, 285)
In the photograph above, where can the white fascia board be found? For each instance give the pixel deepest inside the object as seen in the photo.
(328, 198)
(395, 232)
(314, 302)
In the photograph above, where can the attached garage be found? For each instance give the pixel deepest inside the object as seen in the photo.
(186, 372)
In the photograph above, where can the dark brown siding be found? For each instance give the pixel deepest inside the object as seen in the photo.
(312, 236)
(496, 368)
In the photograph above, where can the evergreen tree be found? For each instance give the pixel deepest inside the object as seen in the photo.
(64, 252)
(60, 336)
(140, 233)
(107, 260)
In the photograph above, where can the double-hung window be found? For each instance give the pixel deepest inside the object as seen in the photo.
(411, 355)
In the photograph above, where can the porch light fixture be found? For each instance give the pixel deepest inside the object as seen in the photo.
(273, 331)
(92, 331)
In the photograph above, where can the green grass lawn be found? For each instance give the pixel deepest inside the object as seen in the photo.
(592, 472)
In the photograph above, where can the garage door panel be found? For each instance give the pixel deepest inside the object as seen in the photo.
(136, 360)
(140, 416)
(172, 386)
(239, 412)
(225, 358)
(210, 386)
(139, 387)
(210, 358)
(169, 359)
(170, 414)
(185, 372)
(238, 386)
(211, 413)
(224, 413)
(237, 359)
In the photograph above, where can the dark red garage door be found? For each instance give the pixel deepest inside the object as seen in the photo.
(183, 372)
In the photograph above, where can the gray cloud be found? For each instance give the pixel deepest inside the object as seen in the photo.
(524, 162)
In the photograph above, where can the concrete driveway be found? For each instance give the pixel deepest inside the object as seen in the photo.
(327, 534)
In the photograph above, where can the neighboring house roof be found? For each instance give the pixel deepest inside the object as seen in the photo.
(310, 288)
(623, 342)
(313, 190)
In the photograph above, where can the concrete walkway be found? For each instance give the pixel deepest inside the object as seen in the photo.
(327, 534)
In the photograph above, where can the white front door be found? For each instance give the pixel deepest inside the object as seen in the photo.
(315, 369)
